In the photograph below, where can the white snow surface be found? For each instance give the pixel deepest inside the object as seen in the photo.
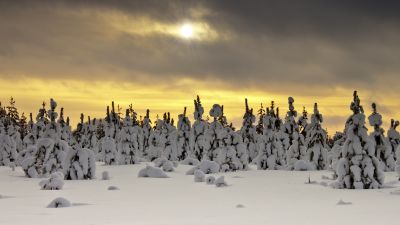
(180, 201)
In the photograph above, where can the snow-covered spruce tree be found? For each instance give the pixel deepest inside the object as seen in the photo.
(8, 151)
(157, 140)
(394, 136)
(183, 139)
(317, 149)
(41, 121)
(384, 151)
(146, 131)
(248, 132)
(260, 113)
(292, 138)
(66, 133)
(108, 147)
(358, 168)
(303, 122)
(199, 143)
(47, 155)
(271, 152)
(170, 151)
(128, 141)
(13, 129)
(215, 133)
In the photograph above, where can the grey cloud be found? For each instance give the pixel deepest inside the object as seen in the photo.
(311, 46)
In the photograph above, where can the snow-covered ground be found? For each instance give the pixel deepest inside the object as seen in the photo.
(252, 197)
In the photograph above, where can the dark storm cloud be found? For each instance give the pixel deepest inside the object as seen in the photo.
(312, 44)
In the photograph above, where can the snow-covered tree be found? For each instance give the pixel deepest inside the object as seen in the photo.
(317, 149)
(79, 164)
(303, 122)
(129, 142)
(394, 136)
(384, 151)
(260, 113)
(8, 150)
(271, 153)
(183, 139)
(47, 154)
(248, 132)
(215, 133)
(232, 155)
(358, 168)
(199, 143)
(146, 131)
(292, 138)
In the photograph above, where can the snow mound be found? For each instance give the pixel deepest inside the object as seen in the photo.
(55, 182)
(210, 180)
(206, 166)
(59, 203)
(239, 206)
(105, 175)
(220, 182)
(190, 161)
(165, 164)
(341, 202)
(396, 192)
(199, 176)
(153, 172)
(113, 188)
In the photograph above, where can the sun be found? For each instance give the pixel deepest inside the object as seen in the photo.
(186, 31)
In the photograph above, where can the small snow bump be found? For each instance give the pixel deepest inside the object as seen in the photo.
(341, 202)
(239, 206)
(113, 188)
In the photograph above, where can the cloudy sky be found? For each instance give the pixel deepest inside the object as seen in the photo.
(87, 53)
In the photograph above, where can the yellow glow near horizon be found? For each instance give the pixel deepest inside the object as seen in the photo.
(91, 98)
(186, 31)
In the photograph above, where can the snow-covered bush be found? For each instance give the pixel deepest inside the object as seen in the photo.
(358, 168)
(54, 182)
(199, 176)
(220, 182)
(59, 203)
(152, 172)
(335, 153)
(79, 164)
(384, 151)
(317, 148)
(210, 180)
(33, 159)
(165, 164)
(190, 161)
(206, 166)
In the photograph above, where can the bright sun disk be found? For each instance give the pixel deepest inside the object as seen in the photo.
(186, 31)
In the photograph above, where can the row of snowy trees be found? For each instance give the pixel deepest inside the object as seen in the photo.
(49, 145)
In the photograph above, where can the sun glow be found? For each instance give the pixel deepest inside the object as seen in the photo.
(186, 31)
